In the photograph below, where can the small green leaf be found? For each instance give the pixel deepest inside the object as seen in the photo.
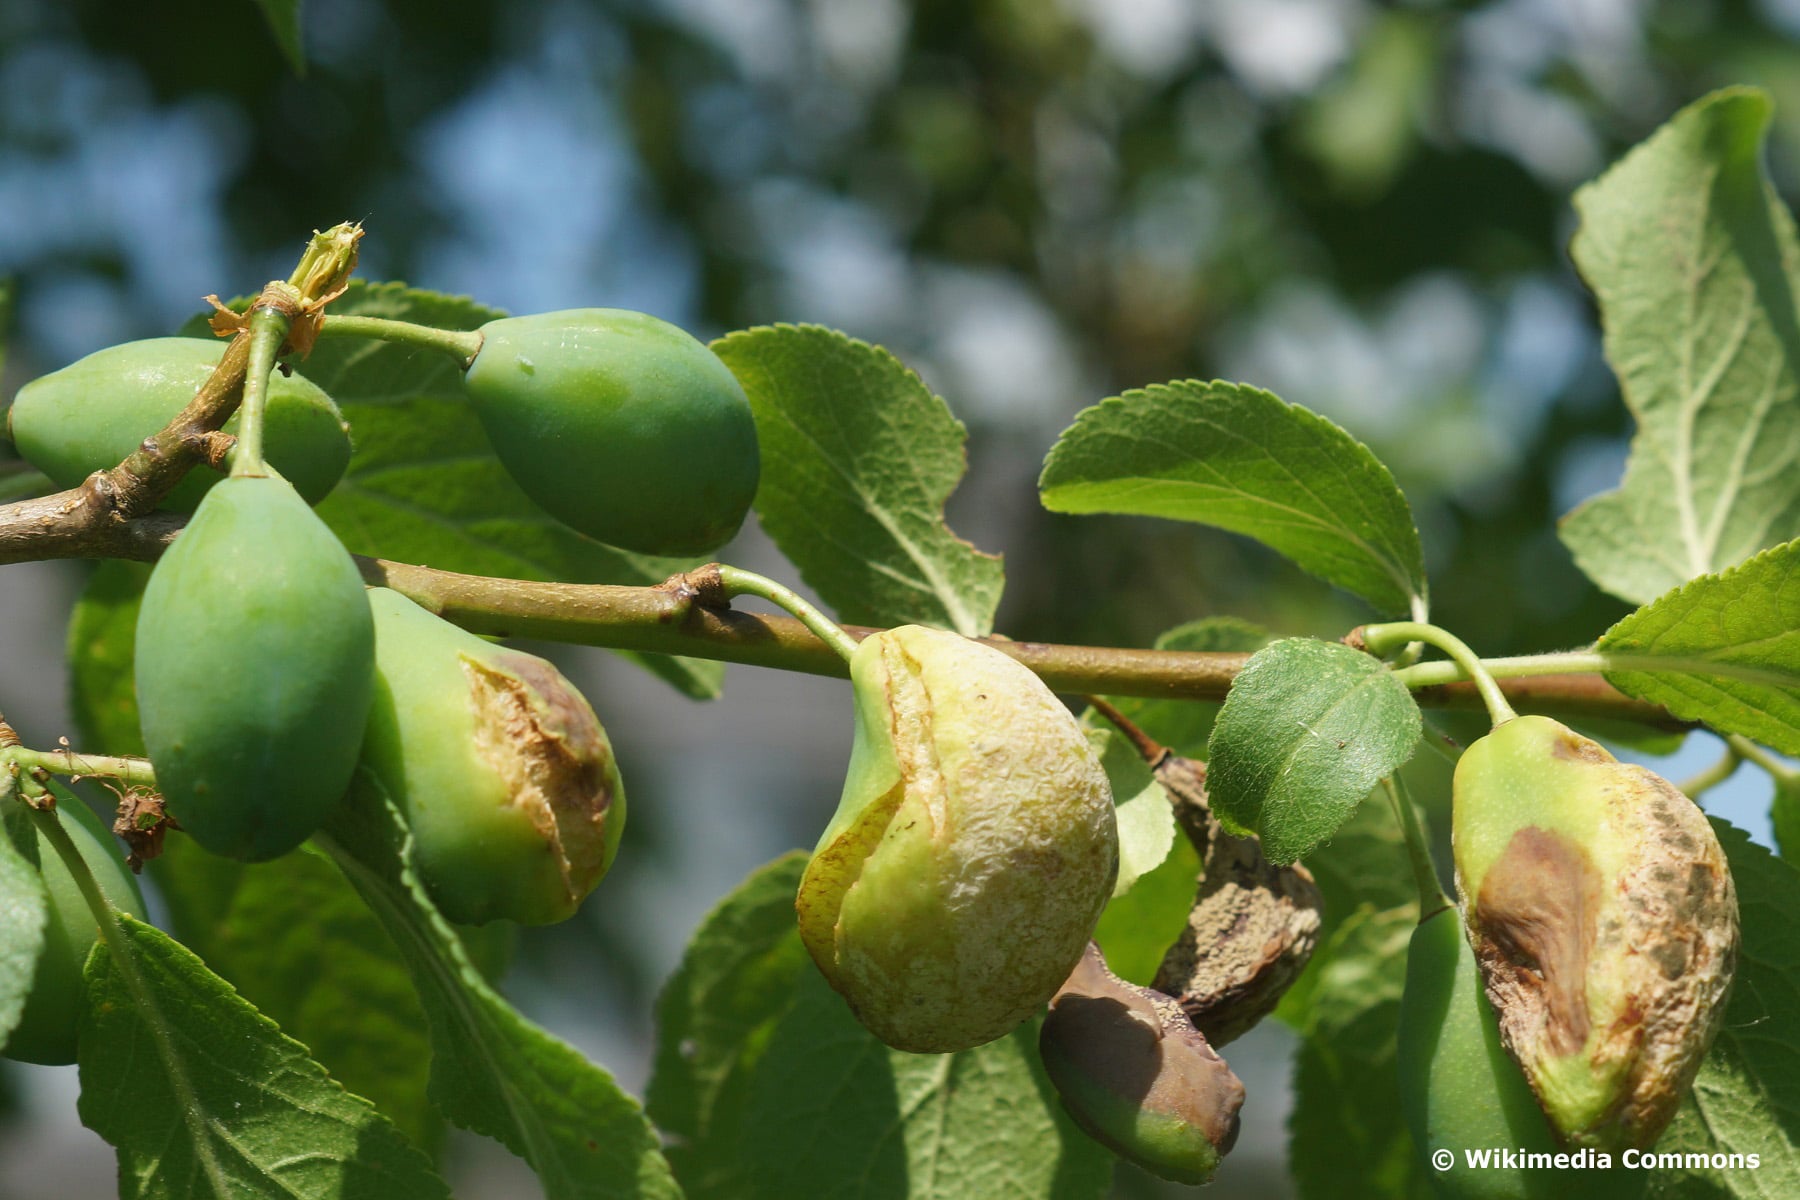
(1137, 928)
(205, 1099)
(1694, 262)
(283, 17)
(1746, 1099)
(23, 912)
(1242, 459)
(1723, 649)
(835, 1114)
(858, 459)
(492, 1071)
(1308, 729)
(1144, 817)
(713, 1021)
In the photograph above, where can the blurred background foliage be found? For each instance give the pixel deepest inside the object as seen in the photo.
(1037, 203)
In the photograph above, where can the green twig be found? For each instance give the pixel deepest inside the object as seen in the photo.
(1749, 751)
(460, 344)
(1701, 782)
(1418, 850)
(135, 772)
(1380, 639)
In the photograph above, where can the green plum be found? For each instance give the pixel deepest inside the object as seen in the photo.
(47, 1029)
(500, 767)
(255, 668)
(93, 413)
(619, 425)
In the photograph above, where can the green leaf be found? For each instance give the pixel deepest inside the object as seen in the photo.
(204, 1097)
(1137, 928)
(1346, 1137)
(284, 22)
(1308, 729)
(1693, 260)
(296, 941)
(24, 909)
(492, 1071)
(424, 485)
(713, 1022)
(1747, 1097)
(1145, 819)
(1784, 814)
(858, 460)
(1723, 649)
(835, 1115)
(102, 648)
(1242, 459)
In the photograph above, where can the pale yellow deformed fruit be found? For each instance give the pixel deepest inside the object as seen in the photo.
(972, 850)
(1603, 917)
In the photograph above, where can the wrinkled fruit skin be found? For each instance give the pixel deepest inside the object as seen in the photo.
(1602, 914)
(1136, 1075)
(1459, 1090)
(93, 413)
(619, 425)
(255, 664)
(500, 767)
(1253, 926)
(47, 1028)
(972, 850)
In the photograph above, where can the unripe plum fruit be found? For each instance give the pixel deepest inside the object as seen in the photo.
(1458, 1089)
(501, 769)
(255, 666)
(94, 412)
(619, 425)
(47, 1029)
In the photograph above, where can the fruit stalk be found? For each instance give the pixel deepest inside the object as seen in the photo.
(462, 345)
(268, 328)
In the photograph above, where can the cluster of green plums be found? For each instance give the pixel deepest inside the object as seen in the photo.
(273, 686)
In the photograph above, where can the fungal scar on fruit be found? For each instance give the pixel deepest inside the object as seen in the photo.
(544, 742)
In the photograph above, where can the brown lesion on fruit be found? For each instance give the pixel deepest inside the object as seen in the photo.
(1573, 747)
(540, 736)
(1535, 922)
